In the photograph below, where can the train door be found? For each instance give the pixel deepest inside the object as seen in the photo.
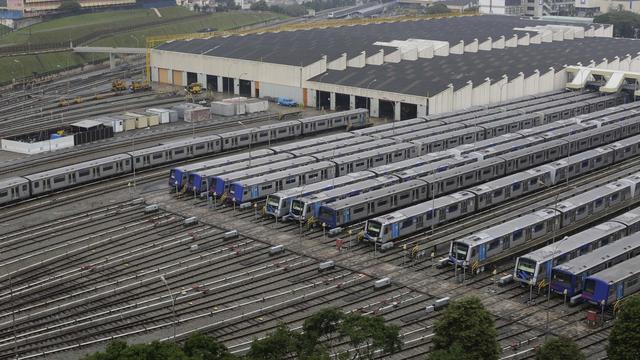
(72, 178)
(482, 252)
(47, 184)
(145, 160)
(97, 171)
(279, 185)
(620, 290)
(169, 155)
(372, 207)
(346, 216)
(395, 230)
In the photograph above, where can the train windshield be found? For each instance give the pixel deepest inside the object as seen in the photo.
(373, 228)
(561, 277)
(526, 265)
(589, 286)
(172, 174)
(460, 250)
(296, 207)
(273, 201)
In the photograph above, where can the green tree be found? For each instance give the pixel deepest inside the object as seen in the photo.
(455, 352)
(467, 323)
(260, 6)
(321, 327)
(625, 23)
(366, 334)
(624, 341)
(280, 344)
(437, 8)
(201, 347)
(562, 348)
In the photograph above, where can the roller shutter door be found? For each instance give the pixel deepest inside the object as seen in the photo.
(177, 77)
(163, 76)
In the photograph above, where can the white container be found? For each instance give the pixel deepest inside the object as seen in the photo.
(441, 303)
(276, 250)
(239, 102)
(256, 105)
(384, 282)
(231, 234)
(151, 209)
(163, 115)
(198, 114)
(223, 108)
(116, 123)
(190, 221)
(326, 265)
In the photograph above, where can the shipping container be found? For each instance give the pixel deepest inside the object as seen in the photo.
(256, 105)
(196, 114)
(163, 114)
(223, 108)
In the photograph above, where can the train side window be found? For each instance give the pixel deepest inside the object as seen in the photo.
(107, 168)
(614, 197)
(126, 162)
(382, 202)
(517, 235)
(538, 227)
(452, 208)
(178, 152)
(198, 147)
(494, 244)
(633, 281)
(157, 156)
(406, 223)
(290, 181)
(497, 193)
(58, 179)
(84, 172)
(24, 187)
(599, 202)
(267, 187)
(515, 187)
(358, 210)
(36, 184)
(584, 164)
(4, 193)
(405, 196)
(137, 160)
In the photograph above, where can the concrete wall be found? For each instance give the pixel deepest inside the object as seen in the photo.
(37, 147)
(275, 90)
(233, 68)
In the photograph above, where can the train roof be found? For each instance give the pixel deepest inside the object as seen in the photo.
(383, 127)
(619, 272)
(328, 184)
(315, 149)
(310, 142)
(275, 126)
(375, 194)
(333, 115)
(422, 137)
(12, 181)
(273, 159)
(291, 164)
(369, 153)
(601, 255)
(532, 149)
(489, 114)
(629, 218)
(225, 160)
(508, 180)
(438, 166)
(554, 125)
(412, 133)
(79, 166)
(575, 241)
(421, 208)
(589, 196)
(398, 166)
(285, 173)
(486, 143)
(403, 130)
(459, 170)
(351, 149)
(575, 158)
(508, 227)
(347, 189)
(624, 142)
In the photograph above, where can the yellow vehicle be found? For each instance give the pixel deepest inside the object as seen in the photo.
(194, 88)
(118, 85)
(137, 86)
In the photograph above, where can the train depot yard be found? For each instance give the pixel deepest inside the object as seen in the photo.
(245, 212)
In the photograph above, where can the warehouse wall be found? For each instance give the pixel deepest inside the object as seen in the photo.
(233, 68)
(275, 90)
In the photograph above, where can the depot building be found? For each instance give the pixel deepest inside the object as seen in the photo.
(398, 69)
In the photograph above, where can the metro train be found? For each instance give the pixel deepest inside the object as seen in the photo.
(489, 168)
(407, 221)
(477, 248)
(613, 284)
(569, 277)
(13, 189)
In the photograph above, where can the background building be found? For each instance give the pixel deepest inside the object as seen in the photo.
(400, 69)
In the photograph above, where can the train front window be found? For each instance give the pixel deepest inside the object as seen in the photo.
(173, 174)
(561, 277)
(460, 250)
(373, 229)
(526, 265)
(589, 286)
(296, 207)
(273, 201)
